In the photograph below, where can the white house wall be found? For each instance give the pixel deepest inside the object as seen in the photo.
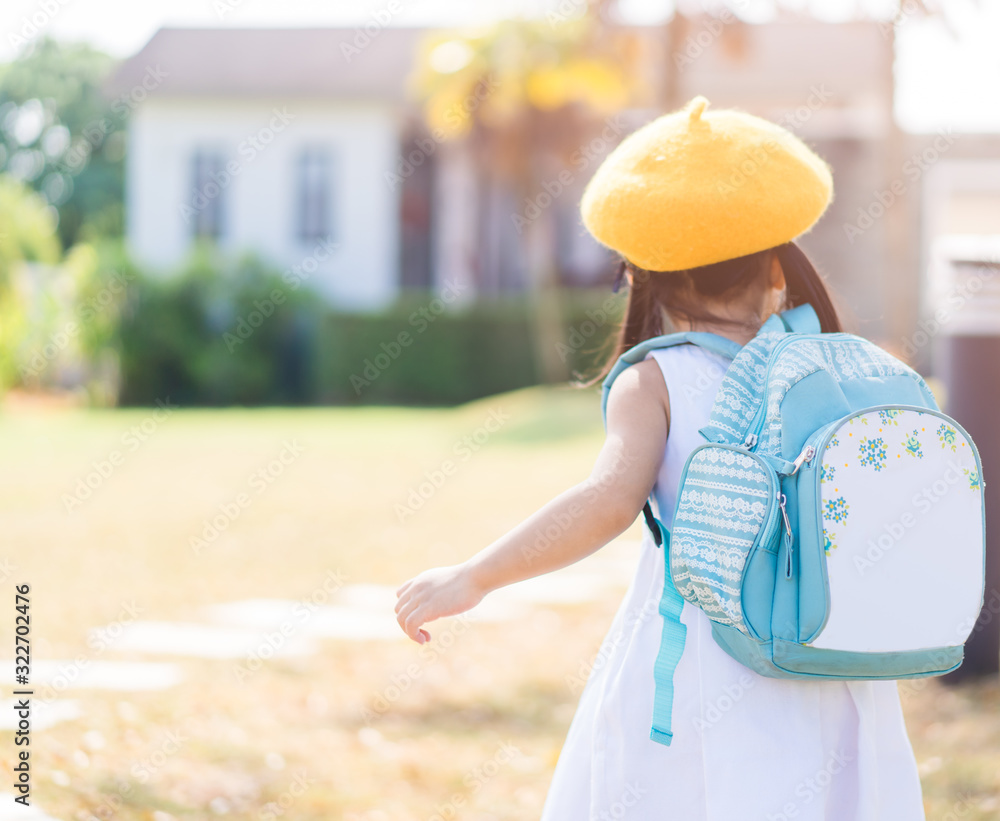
(455, 206)
(361, 272)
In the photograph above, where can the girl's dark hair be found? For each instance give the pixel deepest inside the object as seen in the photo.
(682, 293)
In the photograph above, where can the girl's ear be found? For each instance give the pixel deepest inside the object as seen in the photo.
(777, 274)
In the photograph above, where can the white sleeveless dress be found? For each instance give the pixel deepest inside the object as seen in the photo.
(745, 747)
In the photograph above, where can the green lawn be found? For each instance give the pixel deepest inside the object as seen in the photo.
(339, 506)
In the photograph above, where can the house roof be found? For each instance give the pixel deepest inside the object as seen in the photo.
(260, 62)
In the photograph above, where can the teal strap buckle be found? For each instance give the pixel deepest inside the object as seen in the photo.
(660, 534)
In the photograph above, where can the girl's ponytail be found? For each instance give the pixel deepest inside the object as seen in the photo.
(804, 284)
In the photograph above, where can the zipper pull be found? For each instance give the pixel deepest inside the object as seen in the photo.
(806, 456)
(788, 536)
(750, 441)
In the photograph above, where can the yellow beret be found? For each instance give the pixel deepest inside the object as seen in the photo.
(695, 187)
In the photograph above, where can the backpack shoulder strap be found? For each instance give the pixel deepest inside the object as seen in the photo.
(801, 319)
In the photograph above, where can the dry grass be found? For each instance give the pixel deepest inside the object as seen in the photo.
(333, 509)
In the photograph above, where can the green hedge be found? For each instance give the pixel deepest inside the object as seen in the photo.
(218, 334)
(223, 333)
(405, 356)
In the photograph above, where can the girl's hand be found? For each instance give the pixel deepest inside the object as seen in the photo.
(435, 593)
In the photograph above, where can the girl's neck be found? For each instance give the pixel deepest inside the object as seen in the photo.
(741, 330)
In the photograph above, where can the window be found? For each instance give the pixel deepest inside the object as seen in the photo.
(314, 217)
(205, 207)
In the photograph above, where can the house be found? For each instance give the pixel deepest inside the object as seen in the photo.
(276, 141)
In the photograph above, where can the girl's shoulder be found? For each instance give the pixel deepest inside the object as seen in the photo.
(637, 390)
(644, 378)
(688, 371)
(682, 360)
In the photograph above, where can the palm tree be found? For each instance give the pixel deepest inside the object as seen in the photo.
(543, 85)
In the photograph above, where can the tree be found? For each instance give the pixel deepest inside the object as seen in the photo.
(62, 137)
(59, 314)
(27, 236)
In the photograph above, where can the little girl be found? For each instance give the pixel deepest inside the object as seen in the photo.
(703, 208)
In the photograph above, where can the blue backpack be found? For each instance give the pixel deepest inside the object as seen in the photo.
(832, 525)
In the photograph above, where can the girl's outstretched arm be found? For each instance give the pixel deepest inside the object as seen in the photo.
(573, 525)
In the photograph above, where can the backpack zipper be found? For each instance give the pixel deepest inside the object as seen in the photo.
(808, 452)
(788, 535)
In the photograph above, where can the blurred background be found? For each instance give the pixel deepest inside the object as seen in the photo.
(290, 303)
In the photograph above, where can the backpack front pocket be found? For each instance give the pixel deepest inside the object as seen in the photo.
(898, 501)
(725, 528)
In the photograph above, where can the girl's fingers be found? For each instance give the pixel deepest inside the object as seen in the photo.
(403, 586)
(405, 612)
(401, 602)
(408, 595)
(411, 626)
